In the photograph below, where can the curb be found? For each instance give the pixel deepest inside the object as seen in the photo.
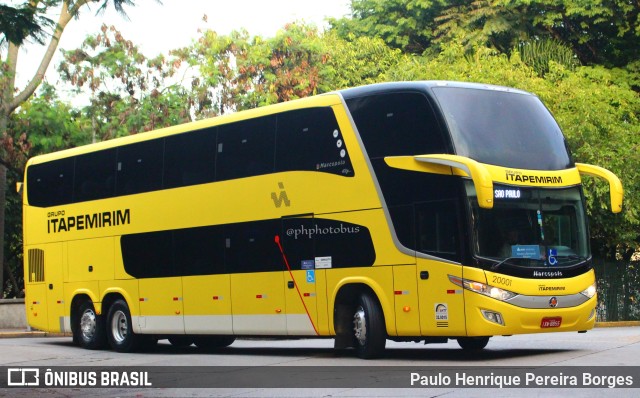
(617, 324)
(29, 333)
(21, 333)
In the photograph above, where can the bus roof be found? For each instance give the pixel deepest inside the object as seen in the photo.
(420, 86)
(326, 99)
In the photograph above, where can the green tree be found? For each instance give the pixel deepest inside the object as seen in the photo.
(356, 61)
(409, 25)
(19, 24)
(10, 98)
(236, 71)
(41, 125)
(127, 92)
(602, 32)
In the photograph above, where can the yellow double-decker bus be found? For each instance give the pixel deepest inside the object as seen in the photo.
(417, 211)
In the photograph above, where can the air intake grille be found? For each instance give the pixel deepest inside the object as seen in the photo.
(36, 265)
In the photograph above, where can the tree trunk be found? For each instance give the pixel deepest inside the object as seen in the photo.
(9, 102)
(3, 184)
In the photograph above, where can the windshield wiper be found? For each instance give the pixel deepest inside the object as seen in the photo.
(572, 257)
(498, 264)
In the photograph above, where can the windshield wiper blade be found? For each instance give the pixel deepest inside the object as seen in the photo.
(572, 257)
(498, 264)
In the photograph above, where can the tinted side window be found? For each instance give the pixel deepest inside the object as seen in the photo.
(250, 247)
(247, 247)
(148, 255)
(199, 251)
(246, 148)
(95, 175)
(189, 158)
(436, 232)
(397, 124)
(139, 167)
(309, 139)
(404, 124)
(50, 184)
(424, 210)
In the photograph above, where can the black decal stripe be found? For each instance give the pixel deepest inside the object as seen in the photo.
(246, 247)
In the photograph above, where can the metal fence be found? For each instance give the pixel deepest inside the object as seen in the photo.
(618, 290)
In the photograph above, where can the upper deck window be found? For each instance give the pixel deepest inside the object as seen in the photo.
(503, 128)
(307, 139)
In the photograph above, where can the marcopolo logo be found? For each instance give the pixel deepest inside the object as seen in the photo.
(316, 230)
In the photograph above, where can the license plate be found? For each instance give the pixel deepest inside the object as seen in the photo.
(554, 322)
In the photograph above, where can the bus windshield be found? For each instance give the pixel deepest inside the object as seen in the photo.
(530, 227)
(503, 128)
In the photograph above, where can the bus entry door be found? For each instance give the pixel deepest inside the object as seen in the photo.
(301, 276)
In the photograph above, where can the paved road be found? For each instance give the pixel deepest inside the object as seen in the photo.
(538, 354)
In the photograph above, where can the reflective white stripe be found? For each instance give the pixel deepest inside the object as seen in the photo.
(273, 325)
(66, 324)
(159, 324)
(208, 324)
(260, 324)
(299, 325)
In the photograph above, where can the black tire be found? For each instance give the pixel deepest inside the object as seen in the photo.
(473, 343)
(179, 340)
(213, 342)
(88, 329)
(120, 329)
(369, 331)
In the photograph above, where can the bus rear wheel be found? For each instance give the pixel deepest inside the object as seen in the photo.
(119, 328)
(369, 330)
(89, 330)
(473, 343)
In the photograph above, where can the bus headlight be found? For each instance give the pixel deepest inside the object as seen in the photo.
(487, 290)
(590, 291)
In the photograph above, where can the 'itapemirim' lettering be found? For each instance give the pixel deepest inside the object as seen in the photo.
(89, 221)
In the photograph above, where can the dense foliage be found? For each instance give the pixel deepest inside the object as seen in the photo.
(580, 59)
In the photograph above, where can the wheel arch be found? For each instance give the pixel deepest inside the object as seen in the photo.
(110, 296)
(344, 298)
(79, 297)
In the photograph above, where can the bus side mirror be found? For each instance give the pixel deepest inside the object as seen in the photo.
(450, 165)
(616, 191)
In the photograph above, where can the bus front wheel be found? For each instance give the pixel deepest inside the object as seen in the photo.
(473, 343)
(89, 330)
(119, 328)
(369, 330)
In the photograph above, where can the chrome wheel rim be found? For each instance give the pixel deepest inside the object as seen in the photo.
(360, 326)
(88, 325)
(119, 326)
